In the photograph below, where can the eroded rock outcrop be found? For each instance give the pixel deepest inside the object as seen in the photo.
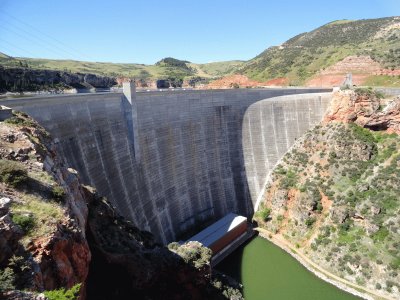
(42, 240)
(21, 79)
(366, 109)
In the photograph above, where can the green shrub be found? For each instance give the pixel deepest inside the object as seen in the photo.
(63, 294)
(370, 92)
(20, 118)
(12, 173)
(193, 253)
(58, 193)
(7, 278)
(310, 221)
(264, 214)
(362, 134)
(395, 264)
(25, 221)
(290, 180)
(380, 235)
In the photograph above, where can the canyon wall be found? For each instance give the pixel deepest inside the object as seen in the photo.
(171, 160)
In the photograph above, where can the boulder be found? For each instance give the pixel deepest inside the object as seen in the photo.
(4, 205)
(339, 214)
(371, 228)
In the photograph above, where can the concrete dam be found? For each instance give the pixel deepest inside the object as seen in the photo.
(172, 160)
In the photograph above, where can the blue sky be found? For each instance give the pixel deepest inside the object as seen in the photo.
(146, 31)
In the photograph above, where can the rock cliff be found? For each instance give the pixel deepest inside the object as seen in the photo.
(22, 79)
(365, 108)
(43, 212)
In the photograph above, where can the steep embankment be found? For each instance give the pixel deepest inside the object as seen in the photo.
(58, 234)
(43, 213)
(305, 58)
(335, 195)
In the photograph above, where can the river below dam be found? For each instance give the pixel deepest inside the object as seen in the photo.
(269, 273)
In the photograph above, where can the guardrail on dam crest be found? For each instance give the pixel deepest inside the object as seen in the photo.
(168, 160)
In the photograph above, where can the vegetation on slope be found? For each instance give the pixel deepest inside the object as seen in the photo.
(32, 206)
(306, 54)
(165, 68)
(298, 59)
(335, 195)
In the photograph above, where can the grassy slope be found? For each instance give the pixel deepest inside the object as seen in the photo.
(219, 68)
(305, 54)
(156, 71)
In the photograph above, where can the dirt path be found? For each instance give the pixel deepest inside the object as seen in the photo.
(318, 271)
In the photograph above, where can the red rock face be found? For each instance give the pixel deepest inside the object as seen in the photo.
(355, 64)
(362, 109)
(63, 260)
(389, 119)
(347, 106)
(360, 66)
(61, 255)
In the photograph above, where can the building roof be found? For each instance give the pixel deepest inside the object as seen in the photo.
(217, 230)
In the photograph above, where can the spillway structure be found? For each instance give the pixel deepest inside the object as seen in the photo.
(171, 160)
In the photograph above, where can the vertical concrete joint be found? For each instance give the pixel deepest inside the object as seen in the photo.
(129, 91)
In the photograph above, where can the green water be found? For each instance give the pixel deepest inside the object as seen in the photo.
(269, 273)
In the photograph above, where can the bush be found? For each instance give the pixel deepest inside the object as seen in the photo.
(25, 221)
(310, 221)
(193, 253)
(7, 278)
(58, 193)
(62, 294)
(380, 235)
(12, 173)
(264, 214)
(370, 92)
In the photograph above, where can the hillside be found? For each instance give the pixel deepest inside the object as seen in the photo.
(306, 55)
(335, 196)
(164, 69)
(369, 49)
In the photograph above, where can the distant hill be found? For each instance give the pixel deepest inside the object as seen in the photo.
(305, 55)
(369, 49)
(164, 69)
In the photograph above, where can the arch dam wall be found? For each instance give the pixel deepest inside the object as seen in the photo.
(171, 160)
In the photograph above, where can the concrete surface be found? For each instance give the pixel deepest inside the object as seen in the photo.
(172, 160)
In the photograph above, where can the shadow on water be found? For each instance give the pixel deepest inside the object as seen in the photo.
(232, 265)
